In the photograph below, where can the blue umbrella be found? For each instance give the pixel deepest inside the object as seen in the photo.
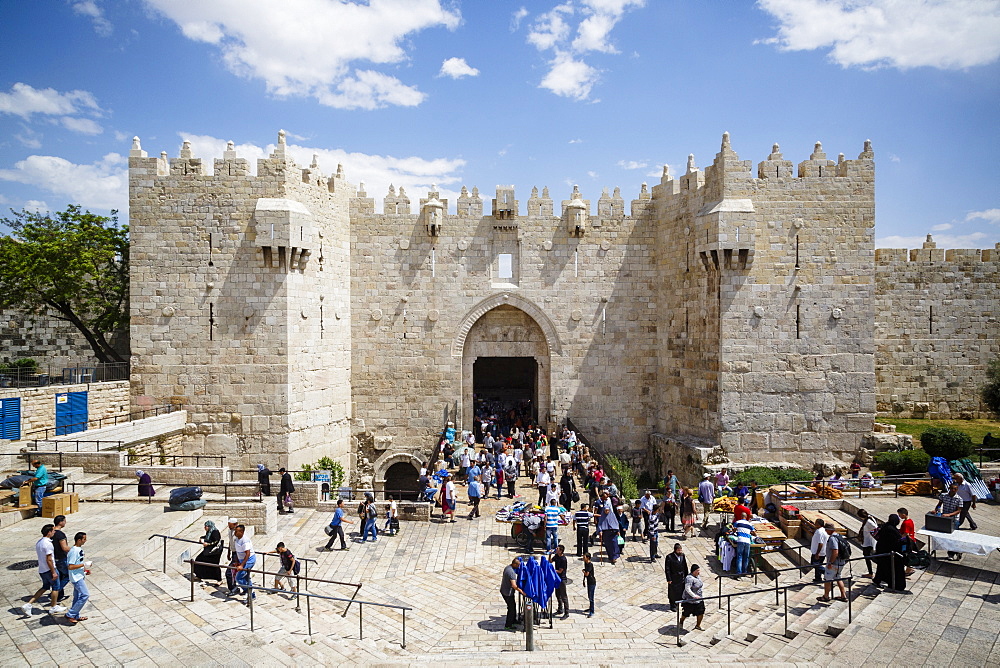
(526, 577)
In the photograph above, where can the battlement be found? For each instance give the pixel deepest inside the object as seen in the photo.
(929, 252)
(145, 171)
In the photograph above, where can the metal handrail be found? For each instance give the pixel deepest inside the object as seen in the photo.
(981, 449)
(197, 459)
(225, 487)
(34, 444)
(168, 408)
(895, 479)
(297, 594)
(188, 540)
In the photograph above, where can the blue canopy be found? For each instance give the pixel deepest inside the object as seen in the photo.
(538, 580)
(939, 468)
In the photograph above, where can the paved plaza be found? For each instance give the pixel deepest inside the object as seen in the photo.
(449, 575)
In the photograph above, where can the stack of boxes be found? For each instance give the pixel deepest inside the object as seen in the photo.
(791, 524)
(60, 504)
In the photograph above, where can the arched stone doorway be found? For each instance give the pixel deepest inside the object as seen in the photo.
(506, 362)
(398, 471)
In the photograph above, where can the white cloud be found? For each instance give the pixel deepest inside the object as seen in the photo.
(632, 164)
(28, 137)
(570, 31)
(24, 101)
(517, 17)
(82, 125)
(100, 185)
(570, 77)
(377, 172)
(943, 227)
(989, 215)
(90, 9)
(894, 158)
(456, 68)
(592, 174)
(973, 240)
(575, 141)
(947, 34)
(307, 47)
(36, 205)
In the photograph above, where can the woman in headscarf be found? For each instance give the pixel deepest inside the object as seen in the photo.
(264, 480)
(693, 604)
(145, 484)
(888, 570)
(211, 551)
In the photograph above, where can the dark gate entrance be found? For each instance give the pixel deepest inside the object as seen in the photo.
(506, 387)
(401, 482)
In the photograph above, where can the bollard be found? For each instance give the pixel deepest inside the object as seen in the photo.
(529, 627)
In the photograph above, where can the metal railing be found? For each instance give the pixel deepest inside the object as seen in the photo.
(58, 446)
(847, 485)
(298, 594)
(225, 488)
(37, 376)
(981, 449)
(103, 421)
(161, 460)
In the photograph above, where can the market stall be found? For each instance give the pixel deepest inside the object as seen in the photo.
(527, 521)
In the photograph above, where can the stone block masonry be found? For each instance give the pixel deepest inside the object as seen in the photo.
(937, 327)
(725, 309)
(38, 405)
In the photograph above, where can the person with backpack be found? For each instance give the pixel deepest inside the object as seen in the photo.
(369, 513)
(838, 551)
(290, 567)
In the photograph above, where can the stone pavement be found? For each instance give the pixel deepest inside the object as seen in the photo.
(449, 575)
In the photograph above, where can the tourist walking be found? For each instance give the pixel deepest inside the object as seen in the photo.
(560, 563)
(868, 530)
(448, 500)
(706, 496)
(336, 528)
(47, 572)
(542, 481)
(687, 512)
(60, 551)
(670, 511)
(245, 559)
(508, 585)
(817, 550)
(590, 581)
(290, 567)
(285, 491)
(608, 526)
(676, 568)
(835, 560)
(693, 604)
(551, 525)
(78, 570)
(211, 553)
(231, 559)
(475, 490)
(391, 526)
(369, 515)
(510, 477)
(653, 534)
(582, 520)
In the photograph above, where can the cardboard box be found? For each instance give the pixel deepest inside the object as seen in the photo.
(52, 506)
(74, 503)
(24, 496)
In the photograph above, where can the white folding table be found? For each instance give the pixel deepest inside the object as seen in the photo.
(961, 542)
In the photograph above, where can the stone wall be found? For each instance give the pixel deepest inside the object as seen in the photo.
(53, 343)
(239, 304)
(38, 405)
(937, 327)
(766, 343)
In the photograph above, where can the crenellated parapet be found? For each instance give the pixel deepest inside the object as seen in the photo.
(929, 253)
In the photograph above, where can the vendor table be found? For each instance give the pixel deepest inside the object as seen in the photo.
(966, 542)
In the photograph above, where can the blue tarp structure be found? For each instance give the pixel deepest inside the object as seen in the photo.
(538, 580)
(939, 468)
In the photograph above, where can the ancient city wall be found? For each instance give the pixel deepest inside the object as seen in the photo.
(768, 288)
(937, 326)
(38, 404)
(51, 342)
(417, 296)
(229, 274)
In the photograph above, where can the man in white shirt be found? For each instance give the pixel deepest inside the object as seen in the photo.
(246, 560)
(466, 463)
(968, 496)
(867, 538)
(647, 503)
(46, 571)
(818, 550)
(542, 481)
(518, 457)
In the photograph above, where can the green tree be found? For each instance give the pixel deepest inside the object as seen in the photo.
(991, 390)
(73, 264)
(946, 442)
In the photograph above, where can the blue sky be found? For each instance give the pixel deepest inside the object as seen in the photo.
(600, 93)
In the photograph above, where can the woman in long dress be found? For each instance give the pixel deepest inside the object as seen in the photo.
(145, 484)
(888, 570)
(211, 551)
(687, 512)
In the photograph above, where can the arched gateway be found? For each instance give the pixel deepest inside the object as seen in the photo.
(506, 344)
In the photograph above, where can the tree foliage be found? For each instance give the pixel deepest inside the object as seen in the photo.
(991, 390)
(946, 442)
(903, 462)
(72, 264)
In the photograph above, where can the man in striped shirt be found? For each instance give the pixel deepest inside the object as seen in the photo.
(744, 537)
(551, 525)
(582, 519)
